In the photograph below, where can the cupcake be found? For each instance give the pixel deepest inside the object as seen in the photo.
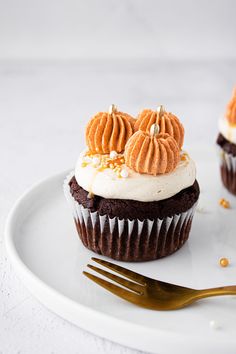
(227, 143)
(133, 191)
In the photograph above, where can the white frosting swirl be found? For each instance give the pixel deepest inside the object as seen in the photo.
(141, 187)
(227, 129)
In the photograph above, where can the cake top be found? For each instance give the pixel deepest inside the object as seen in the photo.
(151, 143)
(109, 176)
(124, 162)
(231, 109)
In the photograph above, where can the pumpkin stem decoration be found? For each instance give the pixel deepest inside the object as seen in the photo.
(112, 109)
(154, 130)
(152, 154)
(109, 131)
(161, 111)
(168, 123)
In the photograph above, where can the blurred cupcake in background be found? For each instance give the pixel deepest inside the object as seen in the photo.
(133, 191)
(227, 143)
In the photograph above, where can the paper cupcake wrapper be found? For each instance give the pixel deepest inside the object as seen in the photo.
(228, 170)
(227, 160)
(129, 240)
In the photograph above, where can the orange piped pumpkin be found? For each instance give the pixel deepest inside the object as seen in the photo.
(167, 122)
(152, 154)
(231, 109)
(109, 131)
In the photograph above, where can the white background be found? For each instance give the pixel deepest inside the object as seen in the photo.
(60, 62)
(117, 29)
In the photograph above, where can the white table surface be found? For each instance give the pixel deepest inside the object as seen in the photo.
(43, 109)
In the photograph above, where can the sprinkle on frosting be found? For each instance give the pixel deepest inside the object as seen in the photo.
(152, 154)
(168, 123)
(231, 109)
(184, 156)
(105, 161)
(109, 131)
(113, 154)
(96, 161)
(124, 173)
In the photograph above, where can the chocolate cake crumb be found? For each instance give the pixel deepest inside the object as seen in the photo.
(133, 209)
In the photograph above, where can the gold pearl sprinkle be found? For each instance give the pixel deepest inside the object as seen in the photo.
(224, 203)
(224, 262)
(84, 164)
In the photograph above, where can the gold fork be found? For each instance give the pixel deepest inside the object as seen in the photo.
(151, 293)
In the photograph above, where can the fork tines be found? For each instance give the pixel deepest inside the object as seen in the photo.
(136, 286)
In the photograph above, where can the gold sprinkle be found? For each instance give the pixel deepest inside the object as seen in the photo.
(105, 161)
(224, 262)
(224, 203)
(184, 156)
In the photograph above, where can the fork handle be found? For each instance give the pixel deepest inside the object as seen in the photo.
(223, 290)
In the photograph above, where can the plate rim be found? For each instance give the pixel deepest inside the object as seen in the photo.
(40, 290)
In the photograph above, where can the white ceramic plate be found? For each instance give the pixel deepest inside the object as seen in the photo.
(46, 253)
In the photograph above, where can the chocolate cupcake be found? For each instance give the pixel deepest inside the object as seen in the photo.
(227, 146)
(134, 191)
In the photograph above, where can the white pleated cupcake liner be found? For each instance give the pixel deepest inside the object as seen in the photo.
(84, 214)
(228, 170)
(227, 160)
(173, 227)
